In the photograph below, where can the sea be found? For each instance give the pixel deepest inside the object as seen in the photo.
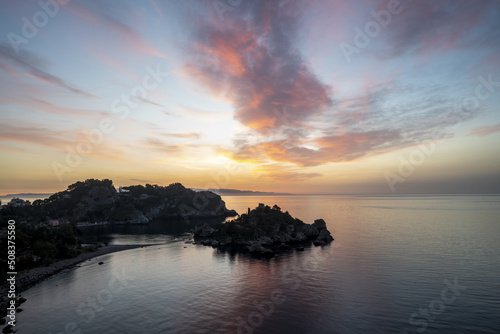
(398, 264)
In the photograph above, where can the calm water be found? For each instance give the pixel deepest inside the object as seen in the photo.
(389, 270)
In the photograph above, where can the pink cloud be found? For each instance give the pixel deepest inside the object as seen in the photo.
(255, 64)
(483, 131)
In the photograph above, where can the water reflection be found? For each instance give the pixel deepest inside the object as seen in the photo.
(386, 262)
(163, 230)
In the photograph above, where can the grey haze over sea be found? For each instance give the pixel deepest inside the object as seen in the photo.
(399, 264)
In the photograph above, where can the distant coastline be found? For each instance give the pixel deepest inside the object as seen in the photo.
(25, 196)
(236, 192)
(221, 192)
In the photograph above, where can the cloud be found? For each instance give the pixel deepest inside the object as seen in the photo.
(281, 173)
(357, 127)
(253, 60)
(191, 135)
(197, 113)
(429, 26)
(148, 101)
(33, 65)
(45, 106)
(483, 131)
(32, 134)
(312, 152)
(179, 150)
(101, 14)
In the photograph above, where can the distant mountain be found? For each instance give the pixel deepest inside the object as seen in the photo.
(236, 192)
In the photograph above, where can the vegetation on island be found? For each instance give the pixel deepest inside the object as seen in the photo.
(42, 245)
(98, 200)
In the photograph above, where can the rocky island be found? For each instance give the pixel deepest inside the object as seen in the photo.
(263, 231)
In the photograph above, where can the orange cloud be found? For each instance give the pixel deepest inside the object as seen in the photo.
(254, 62)
(252, 59)
(30, 133)
(333, 148)
(281, 173)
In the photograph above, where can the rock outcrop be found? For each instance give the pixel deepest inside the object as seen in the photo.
(263, 232)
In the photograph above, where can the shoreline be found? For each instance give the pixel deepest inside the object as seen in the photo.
(34, 276)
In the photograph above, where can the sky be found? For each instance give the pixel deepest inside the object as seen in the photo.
(307, 97)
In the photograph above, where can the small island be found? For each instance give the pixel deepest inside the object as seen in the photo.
(263, 231)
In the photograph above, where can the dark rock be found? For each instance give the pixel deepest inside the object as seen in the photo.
(284, 247)
(310, 231)
(256, 248)
(231, 213)
(7, 329)
(282, 238)
(260, 250)
(262, 231)
(2, 321)
(268, 253)
(300, 237)
(203, 230)
(19, 310)
(21, 300)
(207, 242)
(324, 236)
(266, 241)
(101, 263)
(226, 241)
(319, 224)
(300, 249)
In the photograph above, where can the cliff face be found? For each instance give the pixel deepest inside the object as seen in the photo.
(96, 200)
